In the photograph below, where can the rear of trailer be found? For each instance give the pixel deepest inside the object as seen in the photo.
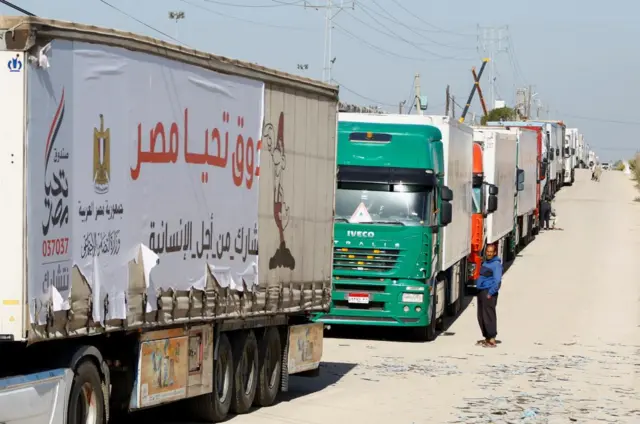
(500, 153)
(457, 140)
(144, 177)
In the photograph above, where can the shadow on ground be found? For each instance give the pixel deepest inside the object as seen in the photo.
(299, 387)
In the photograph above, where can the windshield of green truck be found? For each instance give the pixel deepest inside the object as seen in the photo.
(376, 203)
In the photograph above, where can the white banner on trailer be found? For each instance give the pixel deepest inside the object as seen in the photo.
(129, 153)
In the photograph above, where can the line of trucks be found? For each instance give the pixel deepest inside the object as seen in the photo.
(143, 181)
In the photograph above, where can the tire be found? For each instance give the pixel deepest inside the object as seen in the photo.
(453, 309)
(214, 407)
(245, 372)
(428, 332)
(269, 367)
(86, 400)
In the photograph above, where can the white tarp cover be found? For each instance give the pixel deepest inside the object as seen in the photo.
(133, 154)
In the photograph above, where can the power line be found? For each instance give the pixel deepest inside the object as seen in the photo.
(225, 15)
(392, 34)
(15, 7)
(342, 86)
(604, 120)
(384, 51)
(373, 46)
(511, 51)
(367, 10)
(253, 6)
(428, 23)
(142, 23)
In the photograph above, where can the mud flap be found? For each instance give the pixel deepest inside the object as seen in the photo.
(305, 348)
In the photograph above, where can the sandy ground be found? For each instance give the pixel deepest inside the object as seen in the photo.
(568, 319)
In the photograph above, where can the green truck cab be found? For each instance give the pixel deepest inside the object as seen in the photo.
(391, 207)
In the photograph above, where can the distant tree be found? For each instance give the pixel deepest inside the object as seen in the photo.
(500, 114)
(618, 165)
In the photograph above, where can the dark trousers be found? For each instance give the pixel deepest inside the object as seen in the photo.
(487, 315)
(545, 219)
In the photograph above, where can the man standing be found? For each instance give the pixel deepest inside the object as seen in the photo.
(545, 212)
(597, 173)
(489, 285)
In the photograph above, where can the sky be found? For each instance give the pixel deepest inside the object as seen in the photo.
(580, 57)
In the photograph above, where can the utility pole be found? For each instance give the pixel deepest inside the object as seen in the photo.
(446, 105)
(176, 15)
(491, 41)
(453, 107)
(529, 94)
(401, 105)
(331, 11)
(416, 85)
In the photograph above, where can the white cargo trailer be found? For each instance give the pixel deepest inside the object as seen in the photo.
(570, 153)
(144, 176)
(499, 164)
(526, 182)
(457, 140)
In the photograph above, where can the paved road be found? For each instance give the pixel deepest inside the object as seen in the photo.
(569, 321)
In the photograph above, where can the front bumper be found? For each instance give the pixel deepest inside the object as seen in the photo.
(385, 306)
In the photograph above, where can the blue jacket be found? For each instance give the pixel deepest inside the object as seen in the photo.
(490, 276)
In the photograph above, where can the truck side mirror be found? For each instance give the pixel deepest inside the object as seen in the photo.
(557, 151)
(492, 203)
(573, 150)
(493, 190)
(446, 194)
(446, 213)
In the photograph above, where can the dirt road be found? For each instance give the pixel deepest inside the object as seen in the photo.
(568, 319)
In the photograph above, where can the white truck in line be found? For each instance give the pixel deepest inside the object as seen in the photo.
(570, 154)
(140, 179)
(582, 152)
(457, 141)
(525, 182)
(499, 160)
(556, 131)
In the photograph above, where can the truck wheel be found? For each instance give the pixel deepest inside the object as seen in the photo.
(439, 321)
(269, 368)
(245, 380)
(86, 401)
(428, 333)
(215, 406)
(453, 309)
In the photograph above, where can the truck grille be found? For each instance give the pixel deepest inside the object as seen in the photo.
(359, 259)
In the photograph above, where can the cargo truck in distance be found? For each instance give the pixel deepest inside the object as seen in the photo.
(549, 152)
(570, 154)
(528, 182)
(402, 221)
(132, 223)
(494, 189)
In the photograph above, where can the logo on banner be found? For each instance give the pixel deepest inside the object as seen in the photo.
(101, 158)
(15, 64)
(361, 214)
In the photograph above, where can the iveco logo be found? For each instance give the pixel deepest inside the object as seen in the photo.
(364, 234)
